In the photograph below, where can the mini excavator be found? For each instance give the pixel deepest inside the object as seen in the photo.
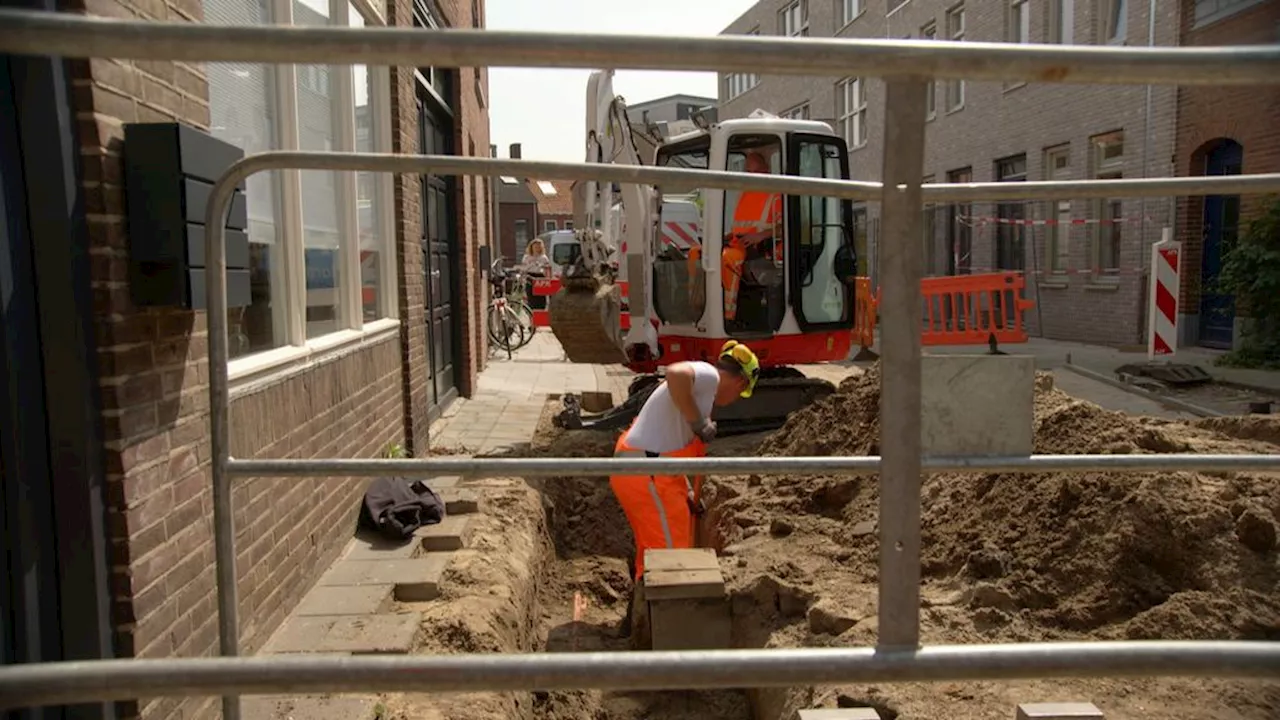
(792, 293)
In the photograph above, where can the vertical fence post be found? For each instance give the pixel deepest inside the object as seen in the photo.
(224, 538)
(901, 269)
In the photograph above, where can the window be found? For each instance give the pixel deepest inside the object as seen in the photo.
(955, 33)
(1057, 168)
(737, 83)
(960, 228)
(1011, 217)
(817, 235)
(849, 11)
(568, 224)
(1209, 11)
(1107, 158)
(1061, 22)
(793, 20)
(799, 112)
(547, 188)
(930, 32)
(851, 108)
(1017, 25)
(1112, 19)
(548, 225)
(318, 240)
(522, 234)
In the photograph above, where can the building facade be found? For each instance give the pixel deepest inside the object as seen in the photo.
(1084, 260)
(1221, 131)
(363, 323)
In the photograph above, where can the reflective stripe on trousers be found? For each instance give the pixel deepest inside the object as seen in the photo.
(656, 506)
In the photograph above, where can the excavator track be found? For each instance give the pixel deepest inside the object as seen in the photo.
(774, 399)
(586, 319)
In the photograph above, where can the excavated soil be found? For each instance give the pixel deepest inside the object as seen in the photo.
(1006, 558)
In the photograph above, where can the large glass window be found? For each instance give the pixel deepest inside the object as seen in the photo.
(318, 240)
(679, 281)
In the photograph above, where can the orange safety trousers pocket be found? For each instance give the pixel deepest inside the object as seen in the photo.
(656, 506)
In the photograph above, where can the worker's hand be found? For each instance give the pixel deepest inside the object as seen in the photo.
(705, 429)
(696, 507)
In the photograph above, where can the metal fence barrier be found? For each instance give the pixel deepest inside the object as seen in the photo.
(907, 65)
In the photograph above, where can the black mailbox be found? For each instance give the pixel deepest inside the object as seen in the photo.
(170, 169)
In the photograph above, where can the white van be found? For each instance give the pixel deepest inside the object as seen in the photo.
(562, 248)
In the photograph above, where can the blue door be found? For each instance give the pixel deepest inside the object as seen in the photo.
(1221, 220)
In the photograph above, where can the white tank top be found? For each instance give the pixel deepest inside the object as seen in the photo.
(660, 427)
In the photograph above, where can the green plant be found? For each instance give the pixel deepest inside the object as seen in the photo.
(1251, 272)
(395, 451)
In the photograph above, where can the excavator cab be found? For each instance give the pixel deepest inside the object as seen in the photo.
(773, 270)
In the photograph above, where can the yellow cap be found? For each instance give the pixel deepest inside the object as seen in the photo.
(742, 355)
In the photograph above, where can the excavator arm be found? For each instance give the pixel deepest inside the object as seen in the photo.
(586, 312)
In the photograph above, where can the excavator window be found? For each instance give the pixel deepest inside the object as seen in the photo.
(679, 282)
(752, 275)
(821, 237)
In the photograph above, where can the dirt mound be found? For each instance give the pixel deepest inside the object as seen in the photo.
(1160, 555)
(1244, 427)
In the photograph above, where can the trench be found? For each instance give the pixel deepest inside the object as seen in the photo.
(582, 595)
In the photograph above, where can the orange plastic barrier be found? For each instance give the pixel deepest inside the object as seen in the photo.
(974, 309)
(866, 307)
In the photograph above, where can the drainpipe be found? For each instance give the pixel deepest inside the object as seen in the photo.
(495, 212)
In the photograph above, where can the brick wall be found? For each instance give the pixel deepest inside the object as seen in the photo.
(997, 122)
(155, 409)
(1207, 115)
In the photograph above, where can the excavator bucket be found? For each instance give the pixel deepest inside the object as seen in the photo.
(586, 318)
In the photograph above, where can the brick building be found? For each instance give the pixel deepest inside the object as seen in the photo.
(1221, 131)
(555, 204)
(1088, 279)
(364, 323)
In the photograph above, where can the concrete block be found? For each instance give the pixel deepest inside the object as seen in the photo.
(685, 593)
(370, 546)
(1059, 711)
(863, 713)
(977, 405)
(336, 600)
(392, 634)
(328, 707)
(443, 482)
(446, 536)
(460, 501)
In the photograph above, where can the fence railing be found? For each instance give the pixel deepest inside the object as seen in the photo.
(907, 65)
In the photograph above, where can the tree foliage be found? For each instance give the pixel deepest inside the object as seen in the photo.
(1251, 272)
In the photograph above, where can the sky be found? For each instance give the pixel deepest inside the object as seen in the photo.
(545, 110)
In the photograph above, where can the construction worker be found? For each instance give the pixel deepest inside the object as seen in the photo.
(676, 422)
(755, 219)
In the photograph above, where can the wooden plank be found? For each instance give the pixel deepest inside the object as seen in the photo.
(681, 559)
(681, 584)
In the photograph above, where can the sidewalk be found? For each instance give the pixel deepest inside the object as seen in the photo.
(511, 395)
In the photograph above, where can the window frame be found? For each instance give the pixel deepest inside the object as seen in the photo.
(796, 112)
(549, 226)
(929, 32)
(800, 8)
(849, 10)
(288, 285)
(1060, 24)
(1057, 235)
(1104, 32)
(955, 88)
(1106, 168)
(846, 115)
(1222, 9)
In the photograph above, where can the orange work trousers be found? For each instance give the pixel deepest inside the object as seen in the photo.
(657, 506)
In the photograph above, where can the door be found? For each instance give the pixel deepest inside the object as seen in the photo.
(439, 253)
(1221, 222)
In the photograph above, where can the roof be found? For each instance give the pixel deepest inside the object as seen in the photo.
(555, 197)
(511, 190)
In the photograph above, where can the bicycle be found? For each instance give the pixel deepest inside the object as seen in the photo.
(503, 321)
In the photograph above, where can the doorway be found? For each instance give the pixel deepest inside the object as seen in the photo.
(439, 251)
(1221, 222)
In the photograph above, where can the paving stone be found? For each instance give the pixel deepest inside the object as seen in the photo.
(445, 536)
(458, 501)
(369, 546)
(337, 600)
(387, 633)
(298, 635)
(416, 579)
(328, 707)
(1059, 711)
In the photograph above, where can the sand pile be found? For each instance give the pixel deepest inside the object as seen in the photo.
(1141, 555)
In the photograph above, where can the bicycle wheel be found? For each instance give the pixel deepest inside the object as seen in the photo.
(504, 328)
(525, 313)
